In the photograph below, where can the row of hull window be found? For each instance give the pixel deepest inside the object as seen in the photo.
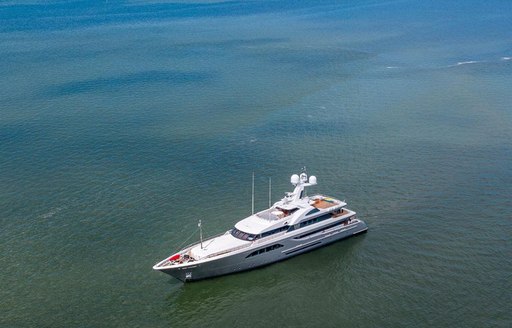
(315, 220)
(250, 237)
(264, 250)
(328, 226)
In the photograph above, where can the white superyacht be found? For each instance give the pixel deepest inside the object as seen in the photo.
(296, 224)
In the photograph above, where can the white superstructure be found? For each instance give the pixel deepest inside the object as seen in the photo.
(294, 225)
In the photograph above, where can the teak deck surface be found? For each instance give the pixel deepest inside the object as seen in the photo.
(323, 204)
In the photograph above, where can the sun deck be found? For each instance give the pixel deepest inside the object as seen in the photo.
(324, 202)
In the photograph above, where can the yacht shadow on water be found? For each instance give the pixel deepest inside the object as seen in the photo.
(214, 295)
(260, 292)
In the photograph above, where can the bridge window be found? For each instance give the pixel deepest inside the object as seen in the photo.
(243, 235)
(313, 211)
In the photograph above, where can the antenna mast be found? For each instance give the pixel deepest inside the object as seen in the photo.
(252, 210)
(269, 192)
(200, 233)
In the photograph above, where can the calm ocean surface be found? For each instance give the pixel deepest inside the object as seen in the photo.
(124, 122)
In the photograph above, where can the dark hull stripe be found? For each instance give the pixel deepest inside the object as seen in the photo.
(303, 247)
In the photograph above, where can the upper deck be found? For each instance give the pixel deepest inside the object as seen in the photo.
(277, 216)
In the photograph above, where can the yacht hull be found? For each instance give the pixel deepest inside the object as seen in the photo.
(270, 251)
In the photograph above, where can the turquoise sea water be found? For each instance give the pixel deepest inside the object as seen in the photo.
(124, 122)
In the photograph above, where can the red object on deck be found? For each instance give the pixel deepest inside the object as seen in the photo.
(174, 257)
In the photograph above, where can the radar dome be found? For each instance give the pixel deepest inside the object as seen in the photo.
(294, 179)
(312, 179)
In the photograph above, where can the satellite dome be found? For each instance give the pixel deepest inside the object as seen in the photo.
(294, 179)
(312, 179)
